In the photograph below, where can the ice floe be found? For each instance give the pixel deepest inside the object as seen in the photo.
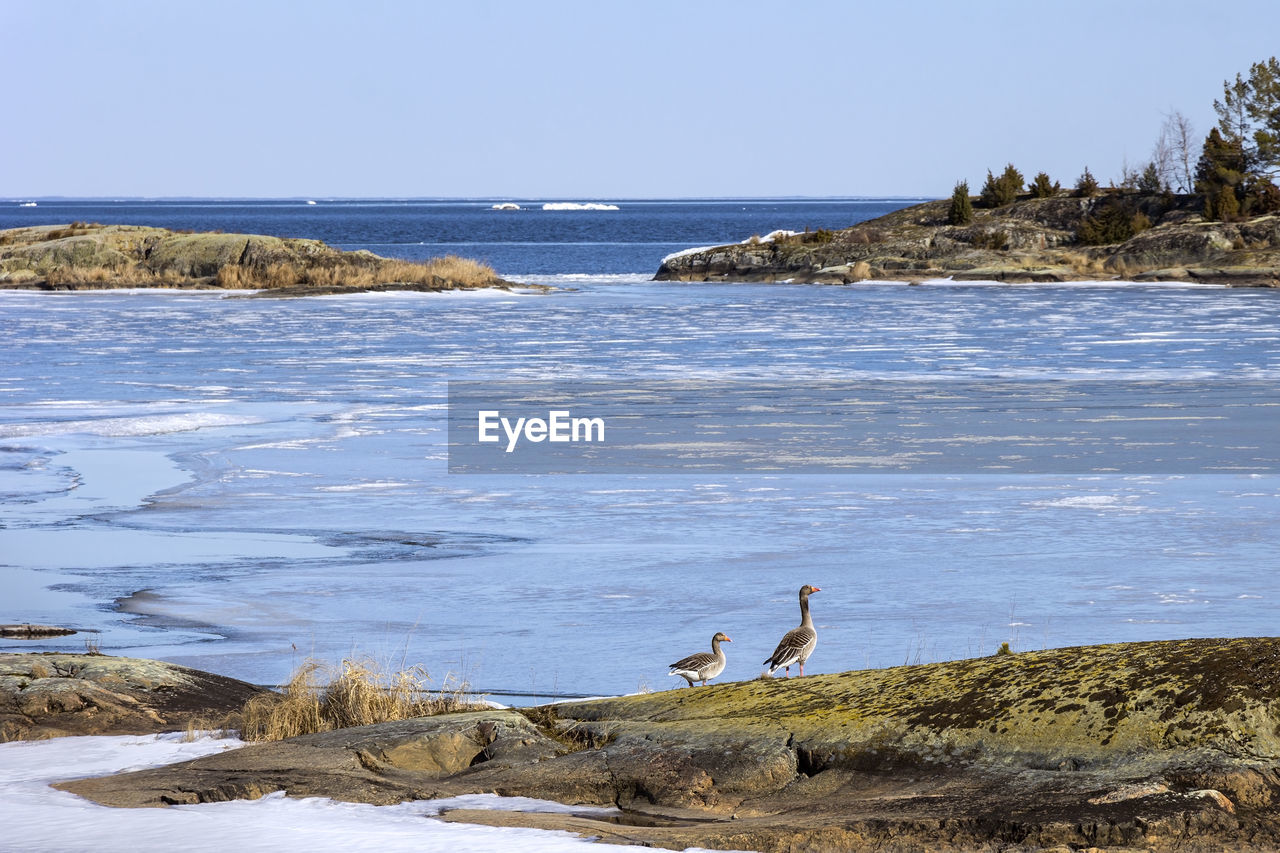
(575, 205)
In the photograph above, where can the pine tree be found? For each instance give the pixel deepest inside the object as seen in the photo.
(1087, 184)
(1042, 187)
(1225, 205)
(1149, 181)
(1249, 116)
(997, 192)
(961, 212)
(1221, 172)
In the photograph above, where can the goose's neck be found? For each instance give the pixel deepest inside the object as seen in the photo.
(715, 647)
(806, 621)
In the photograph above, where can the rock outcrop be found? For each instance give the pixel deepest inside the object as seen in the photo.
(51, 695)
(83, 256)
(1031, 240)
(1152, 746)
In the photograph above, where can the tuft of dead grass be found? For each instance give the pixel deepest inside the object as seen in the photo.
(1084, 264)
(448, 271)
(320, 698)
(444, 273)
(571, 736)
(75, 229)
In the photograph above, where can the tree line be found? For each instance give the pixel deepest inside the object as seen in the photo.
(1233, 170)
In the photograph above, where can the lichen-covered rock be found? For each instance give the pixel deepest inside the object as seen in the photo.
(83, 251)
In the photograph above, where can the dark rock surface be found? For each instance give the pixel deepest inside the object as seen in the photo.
(51, 695)
(27, 631)
(1032, 240)
(1152, 746)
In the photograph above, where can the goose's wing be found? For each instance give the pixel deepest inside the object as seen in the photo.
(793, 645)
(693, 663)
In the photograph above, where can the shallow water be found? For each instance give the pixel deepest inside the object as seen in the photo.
(273, 475)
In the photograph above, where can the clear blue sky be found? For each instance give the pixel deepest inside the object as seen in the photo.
(598, 99)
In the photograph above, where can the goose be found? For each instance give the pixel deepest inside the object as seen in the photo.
(703, 665)
(798, 643)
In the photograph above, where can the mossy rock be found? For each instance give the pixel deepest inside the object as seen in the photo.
(75, 252)
(1086, 705)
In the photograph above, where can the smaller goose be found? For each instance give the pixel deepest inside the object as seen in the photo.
(798, 643)
(703, 665)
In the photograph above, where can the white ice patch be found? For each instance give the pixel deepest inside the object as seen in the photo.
(130, 426)
(1082, 502)
(575, 205)
(361, 487)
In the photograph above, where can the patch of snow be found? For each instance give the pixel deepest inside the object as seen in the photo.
(683, 252)
(40, 819)
(768, 238)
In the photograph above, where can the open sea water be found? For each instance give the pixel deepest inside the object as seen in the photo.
(239, 484)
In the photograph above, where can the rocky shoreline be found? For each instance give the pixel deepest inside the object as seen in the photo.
(1030, 240)
(1155, 746)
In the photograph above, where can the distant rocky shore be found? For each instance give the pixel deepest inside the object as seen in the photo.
(84, 256)
(1030, 240)
(1158, 746)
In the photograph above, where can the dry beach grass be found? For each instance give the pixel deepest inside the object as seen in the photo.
(447, 273)
(320, 698)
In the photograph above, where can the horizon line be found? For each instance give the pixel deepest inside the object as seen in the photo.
(304, 198)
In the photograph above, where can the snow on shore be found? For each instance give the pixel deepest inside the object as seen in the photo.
(768, 238)
(40, 819)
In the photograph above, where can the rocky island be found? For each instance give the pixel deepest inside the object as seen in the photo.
(84, 256)
(1157, 746)
(1063, 237)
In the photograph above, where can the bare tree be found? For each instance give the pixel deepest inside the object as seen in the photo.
(1163, 160)
(1177, 151)
(1129, 176)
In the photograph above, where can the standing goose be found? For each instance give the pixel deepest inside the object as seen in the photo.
(703, 665)
(798, 643)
